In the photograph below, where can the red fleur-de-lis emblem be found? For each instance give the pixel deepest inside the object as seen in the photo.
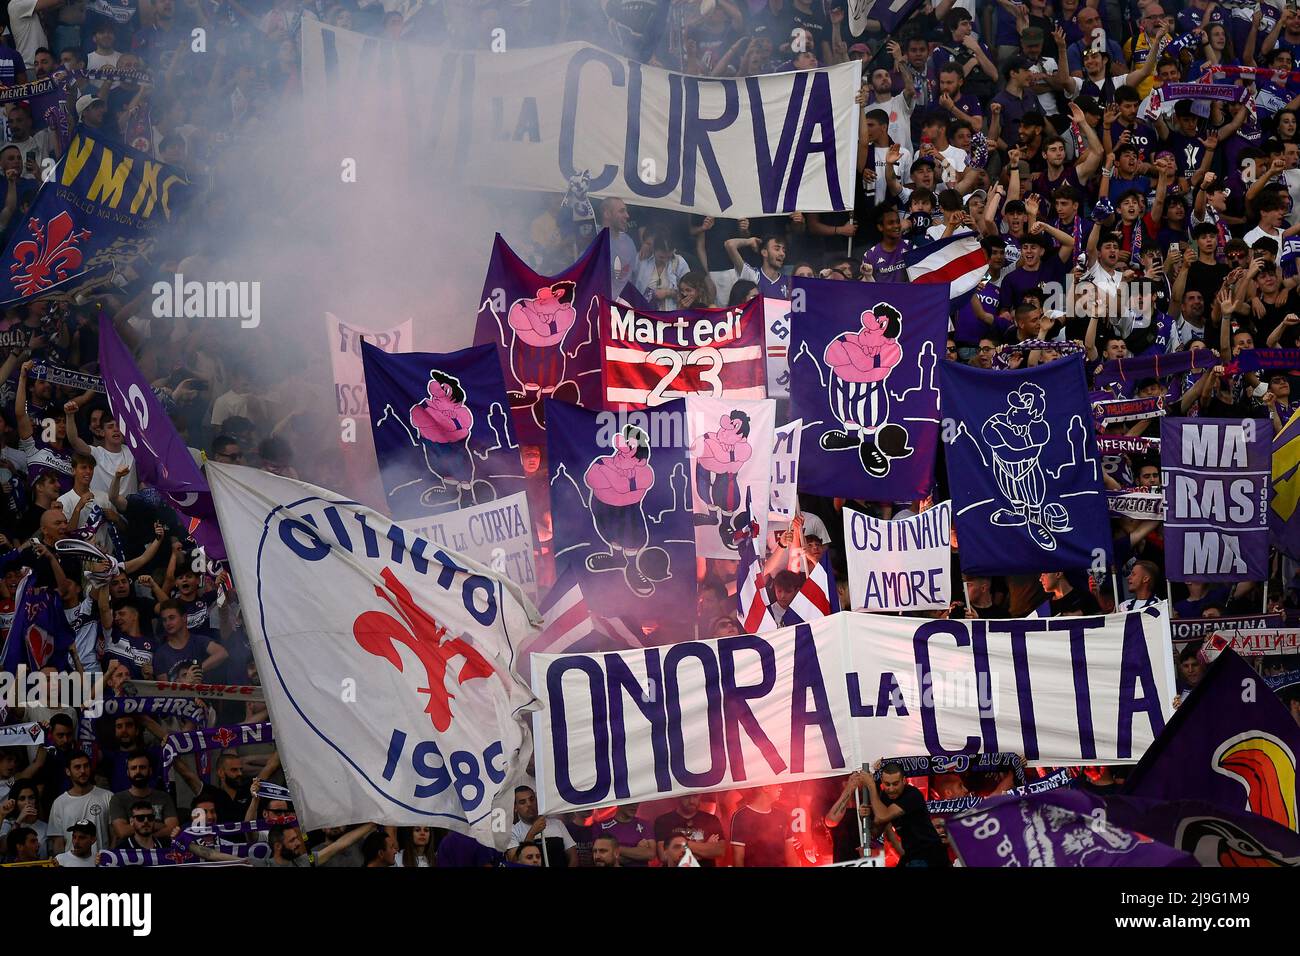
(377, 633)
(40, 646)
(223, 736)
(49, 257)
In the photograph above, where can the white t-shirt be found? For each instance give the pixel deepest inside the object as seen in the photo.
(69, 859)
(106, 465)
(900, 120)
(41, 143)
(97, 61)
(25, 25)
(93, 806)
(68, 502)
(419, 860)
(1046, 66)
(84, 621)
(554, 830)
(1259, 232)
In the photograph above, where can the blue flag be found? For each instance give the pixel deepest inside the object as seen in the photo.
(621, 508)
(39, 635)
(1231, 743)
(96, 215)
(1023, 469)
(862, 360)
(443, 435)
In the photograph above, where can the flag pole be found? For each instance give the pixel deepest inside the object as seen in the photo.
(1114, 585)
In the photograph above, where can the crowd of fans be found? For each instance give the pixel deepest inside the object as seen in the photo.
(1115, 222)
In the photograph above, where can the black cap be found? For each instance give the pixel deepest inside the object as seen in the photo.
(84, 826)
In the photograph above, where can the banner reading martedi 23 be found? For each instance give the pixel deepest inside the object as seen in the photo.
(819, 699)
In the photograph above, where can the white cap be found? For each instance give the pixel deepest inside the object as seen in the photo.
(814, 527)
(84, 101)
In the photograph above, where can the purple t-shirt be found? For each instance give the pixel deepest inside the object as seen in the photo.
(1019, 281)
(627, 834)
(887, 266)
(968, 329)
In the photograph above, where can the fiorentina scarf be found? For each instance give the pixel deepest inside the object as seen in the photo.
(1001, 358)
(178, 856)
(1061, 778)
(1126, 444)
(924, 765)
(215, 738)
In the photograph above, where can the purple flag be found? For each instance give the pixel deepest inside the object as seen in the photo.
(39, 635)
(889, 13)
(1023, 469)
(1057, 828)
(862, 378)
(1216, 498)
(1215, 835)
(1283, 520)
(443, 438)
(544, 329)
(621, 509)
(1231, 743)
(161, 455)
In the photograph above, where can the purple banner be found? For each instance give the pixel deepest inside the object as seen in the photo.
(862, 378)
(545, 331)
(161, 456)
(1132, 370)
(1231, 743)
(1056, 829)
(1258, 360)
(1216, 474)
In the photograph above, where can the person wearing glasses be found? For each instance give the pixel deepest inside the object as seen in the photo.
(144, 830)
(225, 449)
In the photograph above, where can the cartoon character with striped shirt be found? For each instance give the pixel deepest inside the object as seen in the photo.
(860, 363)
(1016, 438)
(619, 483)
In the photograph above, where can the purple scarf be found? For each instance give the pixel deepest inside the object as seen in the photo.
(215, 738)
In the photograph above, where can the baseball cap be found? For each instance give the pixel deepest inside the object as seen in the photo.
(814, 527)
(981, 193)
(84, 826)
(85, 101)
(1031, 36)
(859, 48)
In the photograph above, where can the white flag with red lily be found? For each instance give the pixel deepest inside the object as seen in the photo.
(389, 664)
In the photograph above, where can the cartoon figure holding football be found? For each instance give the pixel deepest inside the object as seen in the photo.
(860, 364)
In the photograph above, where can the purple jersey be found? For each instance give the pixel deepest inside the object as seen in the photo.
(628, 833)
(887, 266)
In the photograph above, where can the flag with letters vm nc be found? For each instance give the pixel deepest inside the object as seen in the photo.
(93, 219)
(389, 663)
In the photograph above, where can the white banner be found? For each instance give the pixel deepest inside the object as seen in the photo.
(821, 699)
(730, 478)
(902, 565)
(785, 472)
(776, 325)
(388, 663)
(345, 356)
(498, 534)
(534, 118)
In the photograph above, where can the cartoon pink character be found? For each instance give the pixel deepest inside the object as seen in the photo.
(722, 455)
(444, 422)
(536, 354)
(619, 482)
(860, 363)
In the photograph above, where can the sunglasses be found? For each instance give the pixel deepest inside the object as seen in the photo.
(143, 817)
